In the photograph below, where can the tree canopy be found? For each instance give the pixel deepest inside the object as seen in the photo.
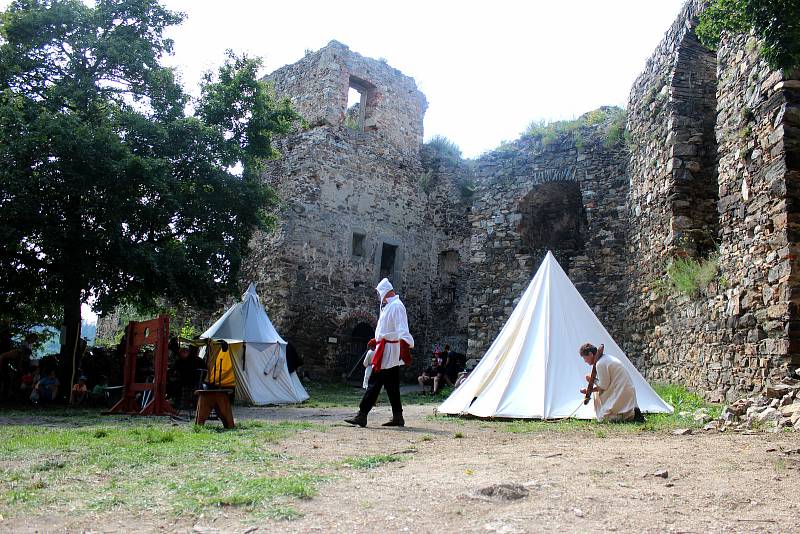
(109, 190)
(776, 22)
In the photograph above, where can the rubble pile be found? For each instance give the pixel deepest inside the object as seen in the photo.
(777, 408)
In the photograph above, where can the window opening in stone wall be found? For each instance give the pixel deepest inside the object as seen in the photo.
(357, 344)
(358, 244)
(553, 218)
(355, 115)
(447, 270)
(361, 99)
(388, 256)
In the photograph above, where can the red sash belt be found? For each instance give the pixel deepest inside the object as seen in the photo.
(405, 353)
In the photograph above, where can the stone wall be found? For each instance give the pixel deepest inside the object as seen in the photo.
(691, 194)
(531, 198)
(709, 172)
(448, 204)
(354, 202)
(318, 275)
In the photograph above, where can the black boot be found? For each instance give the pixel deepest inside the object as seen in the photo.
(359, 419)
(396, 420)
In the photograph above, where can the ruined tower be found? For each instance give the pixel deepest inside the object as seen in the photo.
(353, 211)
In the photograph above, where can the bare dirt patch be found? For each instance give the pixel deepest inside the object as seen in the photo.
(576, 480)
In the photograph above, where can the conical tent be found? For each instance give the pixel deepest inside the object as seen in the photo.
(257, 354)
(532, 370)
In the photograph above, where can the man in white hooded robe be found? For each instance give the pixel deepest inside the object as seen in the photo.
(392, 343)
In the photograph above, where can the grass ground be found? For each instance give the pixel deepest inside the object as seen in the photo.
(332, 395)
(141, 464)
(78, 460)
(337, 394)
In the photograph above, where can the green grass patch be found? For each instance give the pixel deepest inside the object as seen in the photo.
(418, 398)
(689, 276)
(681, 399)
(370, 462)
(132, 464)
(331, 395)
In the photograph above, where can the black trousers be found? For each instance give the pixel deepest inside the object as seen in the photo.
(388, 378)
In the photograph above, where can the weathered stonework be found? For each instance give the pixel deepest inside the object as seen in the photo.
(684, 198)
(531, 198)
(354, 211)
(318, 84)
(709, 169)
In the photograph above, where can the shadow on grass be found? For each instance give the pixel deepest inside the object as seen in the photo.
(339, 395)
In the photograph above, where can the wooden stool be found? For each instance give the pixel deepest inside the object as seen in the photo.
(214, 399)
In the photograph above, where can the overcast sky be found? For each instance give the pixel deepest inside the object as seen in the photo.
(488, 68)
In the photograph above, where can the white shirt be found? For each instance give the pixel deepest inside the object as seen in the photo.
(392, 326)
(617, 399)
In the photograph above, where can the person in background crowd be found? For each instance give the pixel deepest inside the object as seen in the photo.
(433, 374)
(79, 392)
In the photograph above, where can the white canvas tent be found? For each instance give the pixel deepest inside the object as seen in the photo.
(258, 354)
(532, 369)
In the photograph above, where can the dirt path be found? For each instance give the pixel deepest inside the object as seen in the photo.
(571, 481)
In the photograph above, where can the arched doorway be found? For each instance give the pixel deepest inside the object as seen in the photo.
(355, 347)
(553, 218)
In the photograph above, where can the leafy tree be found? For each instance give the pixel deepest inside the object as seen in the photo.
(776, 22)
(109, 190)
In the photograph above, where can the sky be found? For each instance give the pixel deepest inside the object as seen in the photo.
(487, 68)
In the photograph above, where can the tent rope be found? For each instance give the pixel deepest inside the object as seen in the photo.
(575, 410)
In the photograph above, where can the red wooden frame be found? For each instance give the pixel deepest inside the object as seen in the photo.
(138, 333)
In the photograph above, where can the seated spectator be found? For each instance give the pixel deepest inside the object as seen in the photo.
(468, 367)
(46, 390)
(27, 381)
(433, 374)
(451, 366)
(99, 393)
(79, 392)
(13, 364)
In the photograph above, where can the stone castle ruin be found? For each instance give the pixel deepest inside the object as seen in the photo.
(708, 169)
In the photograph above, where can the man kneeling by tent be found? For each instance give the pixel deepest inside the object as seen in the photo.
(615, 396)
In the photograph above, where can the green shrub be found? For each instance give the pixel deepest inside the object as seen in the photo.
(615, 133)
(426, 181)
(688, 275)
(444, 147)
(548, 133)
(351, 123)
(776, 23)
(596, 117)
(466, 188)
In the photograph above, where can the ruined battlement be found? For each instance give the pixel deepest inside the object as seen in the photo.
(339, 88)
